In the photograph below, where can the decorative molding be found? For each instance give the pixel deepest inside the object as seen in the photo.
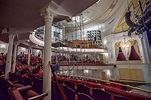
(134, 7)
(48, 14)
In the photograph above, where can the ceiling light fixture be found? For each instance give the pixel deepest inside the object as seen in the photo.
(86, 71)
(98, 1)
(28, 40)
(23, 49)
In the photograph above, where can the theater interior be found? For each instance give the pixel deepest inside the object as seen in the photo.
(75, 49)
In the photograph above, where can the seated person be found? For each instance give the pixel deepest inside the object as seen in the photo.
(55, 66)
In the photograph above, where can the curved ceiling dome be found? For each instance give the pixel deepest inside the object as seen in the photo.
(102, 11)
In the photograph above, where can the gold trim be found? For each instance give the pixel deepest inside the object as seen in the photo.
(121, 26)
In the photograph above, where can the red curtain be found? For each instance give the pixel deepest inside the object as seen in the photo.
(133, 54)
(120, 56)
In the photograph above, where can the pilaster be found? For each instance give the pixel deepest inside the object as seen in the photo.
(9, 55)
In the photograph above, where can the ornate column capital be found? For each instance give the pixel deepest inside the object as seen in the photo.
(16, 43)
(48, 15)
(11, 36)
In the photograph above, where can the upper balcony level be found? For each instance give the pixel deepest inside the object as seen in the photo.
(76, 46)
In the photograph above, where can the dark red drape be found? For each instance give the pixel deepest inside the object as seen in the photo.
(133, 54)
(120, 56)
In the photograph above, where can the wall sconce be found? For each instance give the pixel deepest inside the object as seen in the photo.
(38, 51)
(23, 49)
(86, 71)
(106, 54)
(105, 41)
(2, 46)
(108, 73)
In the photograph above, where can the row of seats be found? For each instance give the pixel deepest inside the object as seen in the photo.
(81, 89)
(15, 91)
(84, 64)
(93, 91)
(72, 87)
(84, 90)
(107, 83)
(2, 63)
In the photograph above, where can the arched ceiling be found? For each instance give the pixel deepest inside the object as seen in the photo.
(102, 11)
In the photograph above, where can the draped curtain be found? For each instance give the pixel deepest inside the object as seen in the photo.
(121, 56)
(127, 49)
(134, 55)
(128, 52)
(124, 52)
(137, 49)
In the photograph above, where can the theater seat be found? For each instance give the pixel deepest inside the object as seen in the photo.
(18, 85)
(27, 81)
(119, 98)
(100, 95)
(37, 85)
(30, 95)
(13, 84)
(69, 92)
(55, 93)
(82, 96)
(69, 84)
(15, 95)
(83, 89)
(60, 82)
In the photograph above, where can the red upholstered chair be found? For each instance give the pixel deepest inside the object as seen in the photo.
(69, 84)
(100, 95)
(18, 85)
(83, 92)
(15, 95)
(116, 97)
(37, 85)
(30, 94)
(81, 88)
(55, 93)
(12, 76)
(69, 92)
(26, 80)
(21, 88)
(82, 96)
(60, 82)
(13, 84)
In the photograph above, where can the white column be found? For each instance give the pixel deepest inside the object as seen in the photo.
(42, 56)
(14, 57)
(48, 16)
(145, 46)
(9, 56)
(141, 50)
(56, 58)
(29, 53)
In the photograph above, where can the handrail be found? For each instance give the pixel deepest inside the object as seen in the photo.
(35, 40)
(128, 86)
(62, 63)
(57, 84)
(38, 97)
(127, 81)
